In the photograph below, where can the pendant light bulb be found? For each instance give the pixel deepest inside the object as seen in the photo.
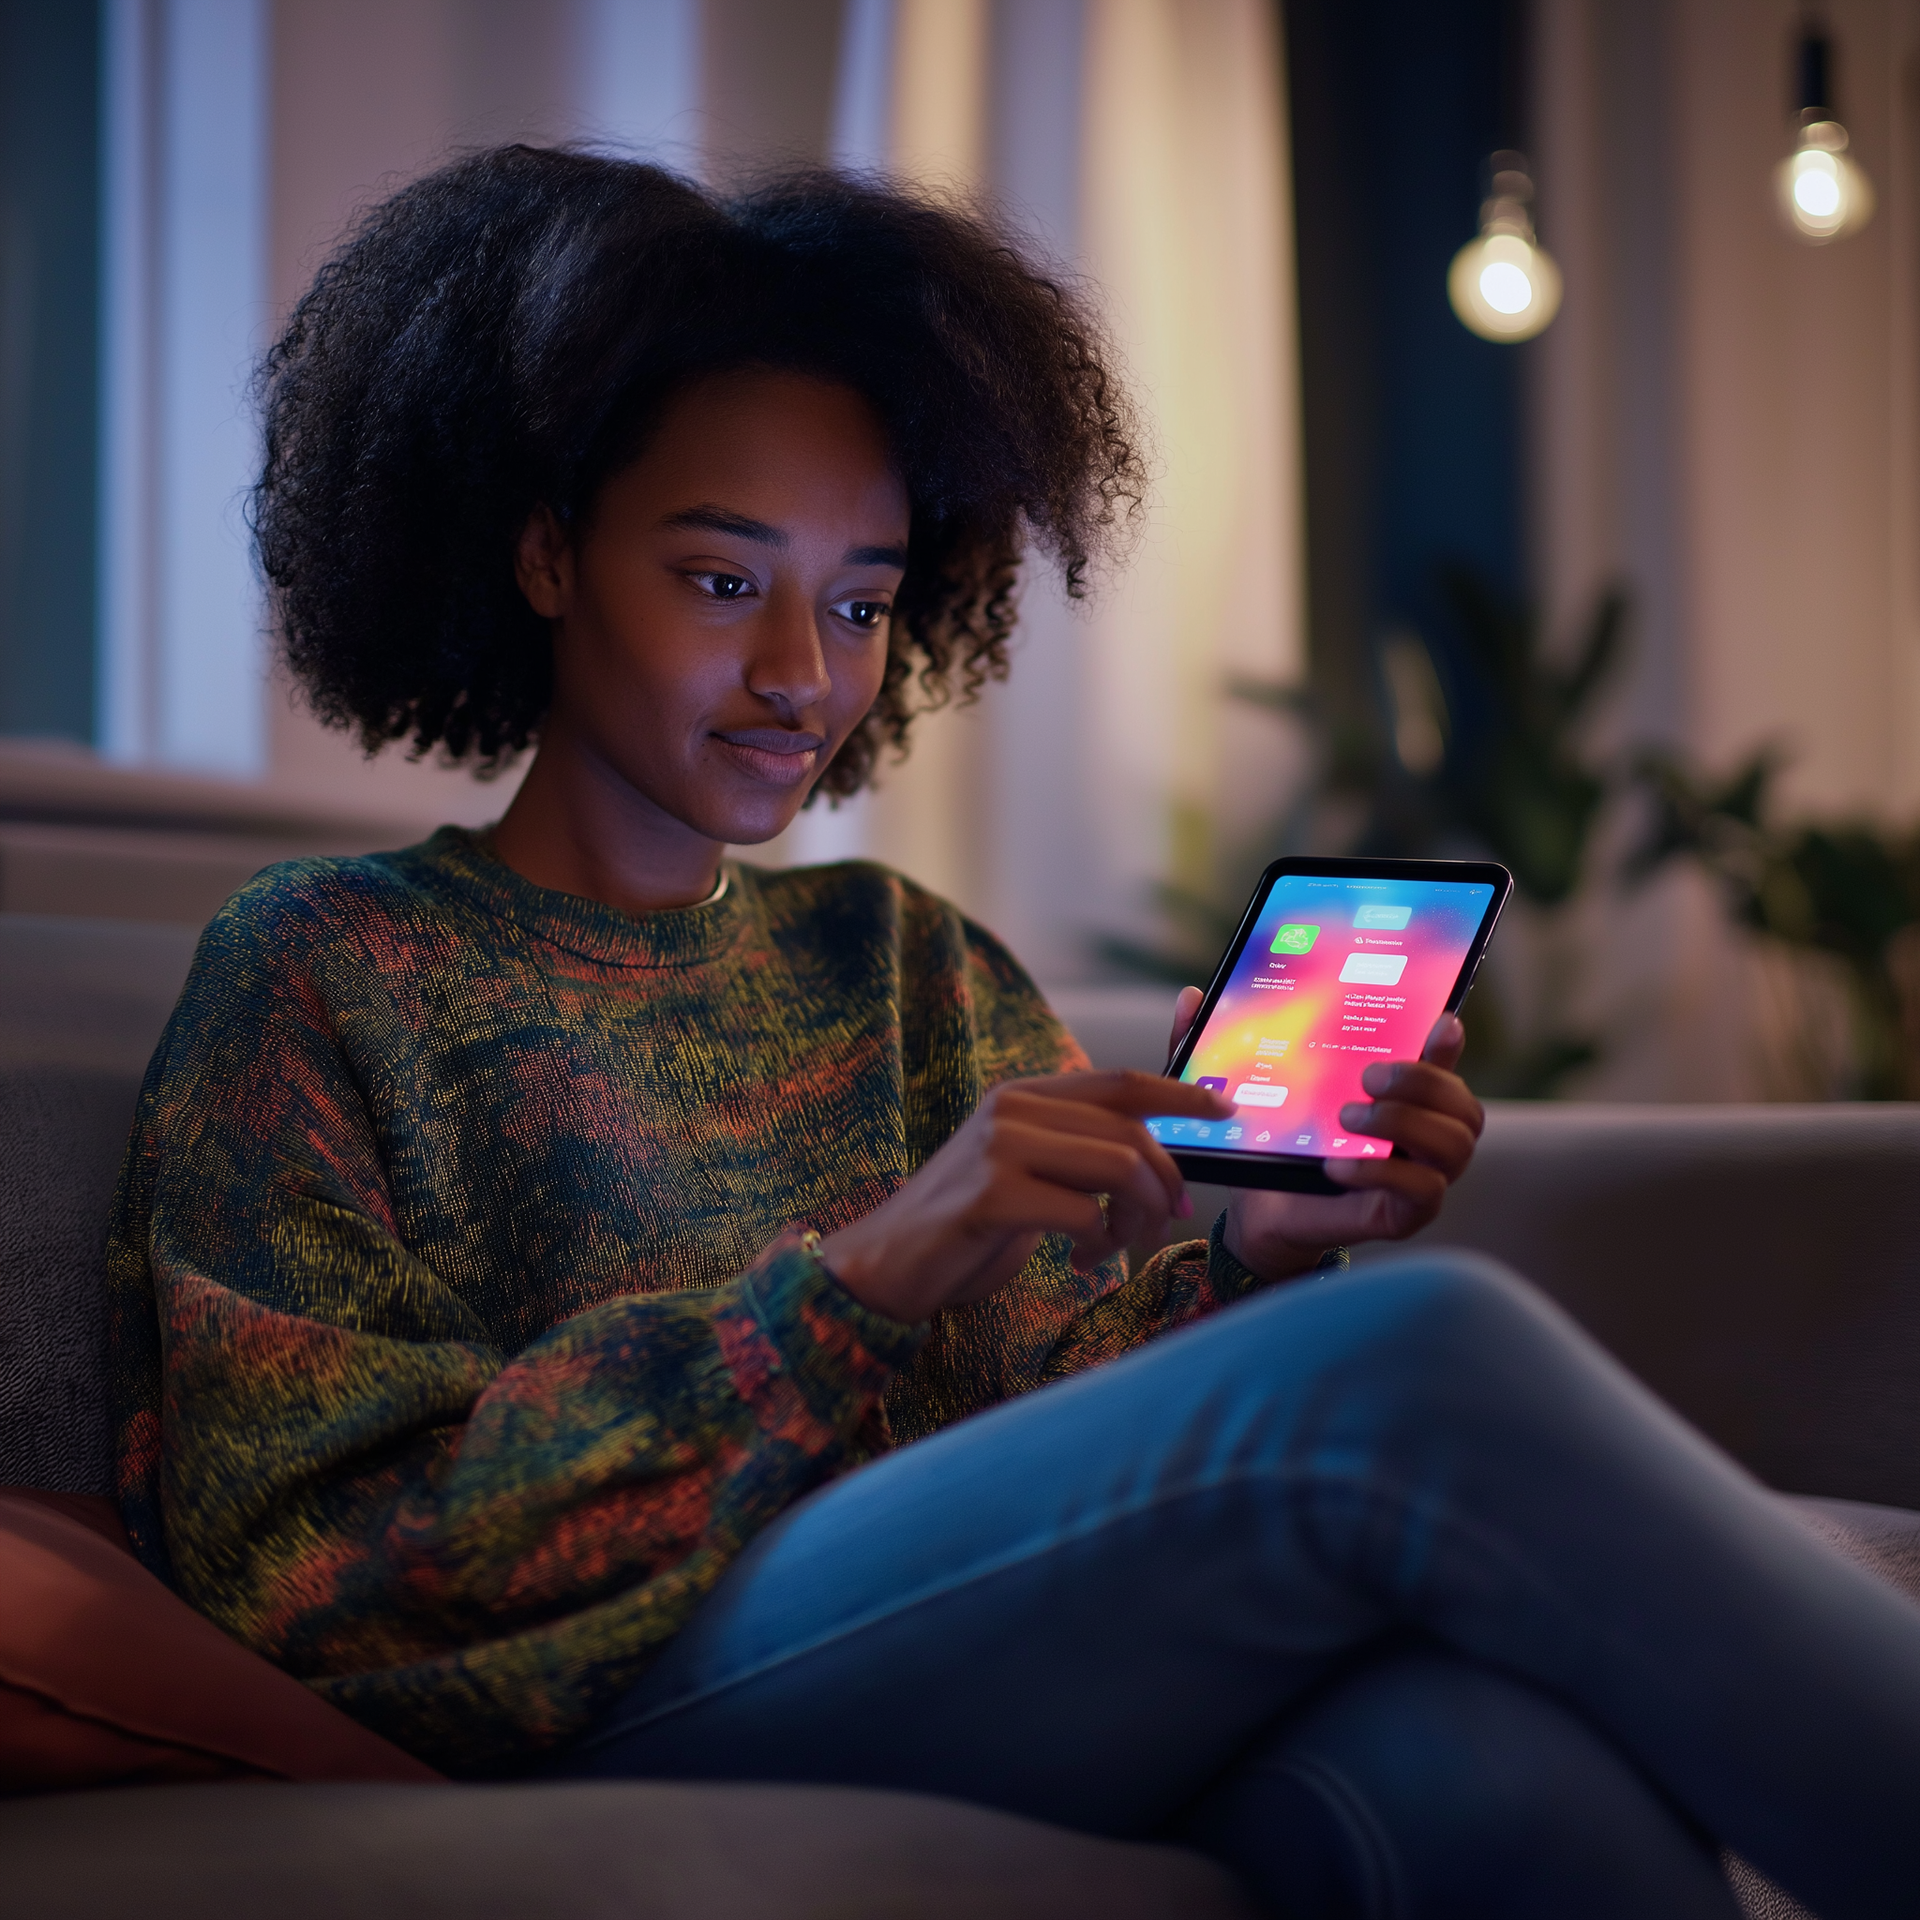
(1824, 192)
(1504, 284)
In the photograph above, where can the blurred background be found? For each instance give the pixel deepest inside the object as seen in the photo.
(1631, 603)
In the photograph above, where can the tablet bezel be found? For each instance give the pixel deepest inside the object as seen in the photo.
(1301, 1173)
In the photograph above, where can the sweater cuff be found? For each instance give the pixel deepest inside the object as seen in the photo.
(836, 1351)
(1231, 1280)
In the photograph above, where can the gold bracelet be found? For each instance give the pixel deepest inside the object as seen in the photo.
(810, 1243)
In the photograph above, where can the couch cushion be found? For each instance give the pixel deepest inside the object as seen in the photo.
(65, 1132)
(106, 1676)
(1758, 1267)
(641, 1851)
(81, 1005)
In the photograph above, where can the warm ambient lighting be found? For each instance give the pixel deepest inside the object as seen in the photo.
(1824, 194)
(1504, 285)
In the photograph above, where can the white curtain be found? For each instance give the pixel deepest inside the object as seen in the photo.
(1143, 144)
(182, 666)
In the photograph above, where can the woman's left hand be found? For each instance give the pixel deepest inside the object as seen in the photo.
(1422, 1106)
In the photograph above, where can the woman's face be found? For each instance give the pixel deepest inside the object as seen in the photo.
(720, 626)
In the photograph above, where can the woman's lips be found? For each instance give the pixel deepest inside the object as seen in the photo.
(779, 758)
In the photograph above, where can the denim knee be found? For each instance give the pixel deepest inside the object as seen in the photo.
(1407, 1313)
(1454, 1288)
(1467, 1314)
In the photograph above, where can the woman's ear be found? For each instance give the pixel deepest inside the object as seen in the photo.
(543, 564)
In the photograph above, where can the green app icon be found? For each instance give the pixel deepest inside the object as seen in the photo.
(1294, 939)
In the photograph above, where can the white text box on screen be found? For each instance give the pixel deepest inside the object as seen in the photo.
(1374, 969)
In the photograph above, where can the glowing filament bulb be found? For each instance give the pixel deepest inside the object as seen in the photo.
(1504, 285)
(1824, 195)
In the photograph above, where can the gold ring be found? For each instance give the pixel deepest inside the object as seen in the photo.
(1104, 1201)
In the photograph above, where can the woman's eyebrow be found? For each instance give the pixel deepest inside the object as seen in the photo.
(741, 527)
(719, 520)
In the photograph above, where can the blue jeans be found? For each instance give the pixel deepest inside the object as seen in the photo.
(1388, 1588)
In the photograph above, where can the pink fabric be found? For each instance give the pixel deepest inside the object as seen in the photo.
(107, 1678)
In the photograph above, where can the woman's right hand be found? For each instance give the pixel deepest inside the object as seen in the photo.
(1034, 1158)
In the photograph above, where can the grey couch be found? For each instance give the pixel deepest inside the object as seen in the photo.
(1759, 1267)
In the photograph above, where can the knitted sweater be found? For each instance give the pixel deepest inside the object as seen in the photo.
(461, 1330)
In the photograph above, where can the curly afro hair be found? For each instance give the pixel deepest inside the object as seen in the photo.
(504, 333)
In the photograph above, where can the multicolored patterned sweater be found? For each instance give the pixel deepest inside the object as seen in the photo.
(462, 1332)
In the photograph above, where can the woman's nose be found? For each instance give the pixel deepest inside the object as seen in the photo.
(789, 664)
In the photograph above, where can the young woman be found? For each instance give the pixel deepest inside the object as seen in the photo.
(526, 1236)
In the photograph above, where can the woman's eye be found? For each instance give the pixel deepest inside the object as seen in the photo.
(722, 586)
(868, 615)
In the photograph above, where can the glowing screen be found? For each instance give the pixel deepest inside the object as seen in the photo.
(1338, 972)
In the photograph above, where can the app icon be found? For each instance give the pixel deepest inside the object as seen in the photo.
(1369, 1149)
(1374, 969)
(1251, 1093)
(1340, 1143)
(1306, 1139)
(1234, 1133)
(1212, 1085)
(1262, 1136)
(1383, 918)
(1295, 939)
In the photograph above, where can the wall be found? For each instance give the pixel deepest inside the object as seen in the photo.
(1725, 418)
(1799, 420)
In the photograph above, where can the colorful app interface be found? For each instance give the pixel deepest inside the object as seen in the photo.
(1336, 973)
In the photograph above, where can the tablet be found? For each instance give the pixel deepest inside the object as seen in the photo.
(1337, 963)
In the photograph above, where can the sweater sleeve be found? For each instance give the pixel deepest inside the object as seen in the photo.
(470, 1547)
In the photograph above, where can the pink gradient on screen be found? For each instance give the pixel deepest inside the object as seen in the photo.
(1288, 1021)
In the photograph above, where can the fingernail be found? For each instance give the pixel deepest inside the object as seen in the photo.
(1355, 1114)
(1378, 1077)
